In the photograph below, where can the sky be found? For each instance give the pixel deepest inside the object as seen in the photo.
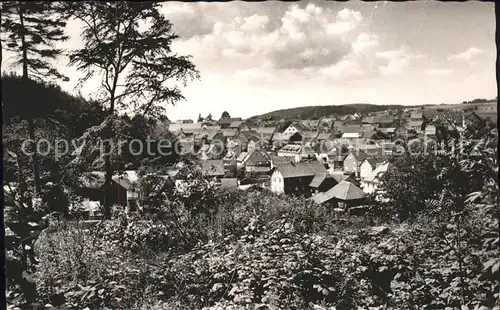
(258, 57)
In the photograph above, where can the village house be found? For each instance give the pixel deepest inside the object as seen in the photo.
(372, 183)
(244, 137)
(353, 160)
(296, 127)
(281, 139)
(257, 161)
(123, 192)
(336, 162)
(343, 195)
(295, 178)
(367, 167)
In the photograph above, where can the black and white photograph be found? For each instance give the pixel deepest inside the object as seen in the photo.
(250, 155)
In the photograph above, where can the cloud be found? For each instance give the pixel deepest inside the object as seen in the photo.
(364, 42)
(195, 19)
(396, 60)
(251, 75)
(467, 55)
(440, 71)
(305, 37)
(304, 41)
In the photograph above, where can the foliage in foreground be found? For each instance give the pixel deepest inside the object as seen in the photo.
(272, 253)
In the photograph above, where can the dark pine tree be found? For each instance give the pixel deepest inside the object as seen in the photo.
(30, 30)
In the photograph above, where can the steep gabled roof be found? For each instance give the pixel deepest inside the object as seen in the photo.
(371, 160)
(301, 126)
(359, 155)
(256, 156)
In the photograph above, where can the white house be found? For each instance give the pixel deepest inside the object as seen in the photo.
(295, 178)
(366, 168)
(297, 127)
(371, 183)
(277, 182)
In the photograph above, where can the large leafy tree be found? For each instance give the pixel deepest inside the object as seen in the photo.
(30, 30)
(128, 45)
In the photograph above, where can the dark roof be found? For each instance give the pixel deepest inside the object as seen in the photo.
(340, 176)
(212, 167)
(301, 127)
(319, 178)
(359, 154)
(371, 160)
(491, 116)
(302, 169)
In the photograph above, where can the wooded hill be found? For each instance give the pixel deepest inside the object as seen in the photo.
(315, 112)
